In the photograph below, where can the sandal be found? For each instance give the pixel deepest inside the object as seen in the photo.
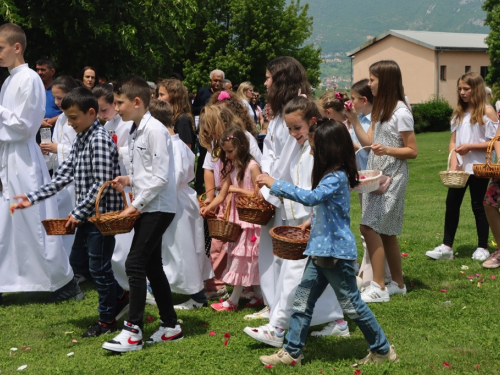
(256, 301)
(220, 307)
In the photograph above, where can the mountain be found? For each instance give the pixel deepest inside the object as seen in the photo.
(340, 26)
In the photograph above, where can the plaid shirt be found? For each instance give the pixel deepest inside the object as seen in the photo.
(93, 160)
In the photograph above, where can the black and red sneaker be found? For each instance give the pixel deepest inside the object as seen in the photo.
(100, 328)
(129, 339)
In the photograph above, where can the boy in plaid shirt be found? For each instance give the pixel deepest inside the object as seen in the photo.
(93, 160)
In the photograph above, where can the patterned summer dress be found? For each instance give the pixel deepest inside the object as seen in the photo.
(384, 213)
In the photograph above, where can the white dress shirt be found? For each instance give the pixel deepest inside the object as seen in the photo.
(152, 167)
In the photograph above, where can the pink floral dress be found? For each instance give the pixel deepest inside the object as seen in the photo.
(243, 255)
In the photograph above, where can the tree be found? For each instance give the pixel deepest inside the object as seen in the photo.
(117, 37)
(492, 8)
(241, 36)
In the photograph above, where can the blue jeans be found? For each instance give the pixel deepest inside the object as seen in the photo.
(343, 281)
(91, 257)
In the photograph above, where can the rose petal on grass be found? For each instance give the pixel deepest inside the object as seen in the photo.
(431, 366)
(293, 363)
(357, 372)
(74, 340)
(478, 275)
(225, 342)
(320, 371)
(22, 346)
(479, 284)
(470, 277)
(446, 364)
(269, 366)
(404, 255)
(204, 325)
(212, 333)
(477, 367)
(462, 272)
(227, 335)
(21, 368)
(70, 354)
(444, 291)
(493, 277)
(27, 349)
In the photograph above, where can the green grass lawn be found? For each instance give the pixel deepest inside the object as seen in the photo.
(424, 330)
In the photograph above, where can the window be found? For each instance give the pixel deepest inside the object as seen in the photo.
(467, 68)
(484, 71)
(442, 75)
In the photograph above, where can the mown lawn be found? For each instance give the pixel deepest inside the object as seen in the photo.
(426, 332)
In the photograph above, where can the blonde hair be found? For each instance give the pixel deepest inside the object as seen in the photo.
(213, 122)
(242, 88)
(477, 103)
(329, 100)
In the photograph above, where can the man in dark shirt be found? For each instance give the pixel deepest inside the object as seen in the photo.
(202, 97)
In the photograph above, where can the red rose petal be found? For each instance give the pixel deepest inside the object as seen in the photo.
(444, 291)
(320, 371)
(477, 367)
(293, 363)
(493, 277)
(357, 372)
(253, 239)
(227, 335)
(446, 364)
(269, 366)
(404, 255)
(204, 325)
(225, 342)
(212, 333)
(149, 319)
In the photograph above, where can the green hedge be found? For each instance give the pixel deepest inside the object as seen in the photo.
(433, 115)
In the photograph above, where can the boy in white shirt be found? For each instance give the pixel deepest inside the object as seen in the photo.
(151, 177)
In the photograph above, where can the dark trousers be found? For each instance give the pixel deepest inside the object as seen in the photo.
(200, 178)
(144, 260)
(91, 257)
(477, 189)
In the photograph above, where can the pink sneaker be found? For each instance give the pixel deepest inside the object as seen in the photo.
(220, 307)
(493, 261)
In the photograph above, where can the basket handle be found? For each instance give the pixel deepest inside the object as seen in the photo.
(200, 198)
(98, 199)
(228, 207)
(490, 148)
(449, 159)
(361, 148)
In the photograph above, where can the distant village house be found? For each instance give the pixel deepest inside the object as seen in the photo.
(431, 62)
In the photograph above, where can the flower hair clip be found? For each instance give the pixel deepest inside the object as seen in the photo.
(339, 96)
(223, 96)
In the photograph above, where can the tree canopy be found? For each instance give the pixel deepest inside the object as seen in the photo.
(154, 38)
(492, 8)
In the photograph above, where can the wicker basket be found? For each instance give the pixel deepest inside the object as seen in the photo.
(254, 209)
(488, 170)
(453, 179)
(369, 180)
(56, 227)
(224, 230)
(112, 223)
(201, 201)
(289, 242)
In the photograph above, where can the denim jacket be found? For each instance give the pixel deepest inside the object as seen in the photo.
(331, 234)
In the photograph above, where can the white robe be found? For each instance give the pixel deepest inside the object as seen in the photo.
(327, 308)
(183, 247)
(29, 259)
(122, 241)
(279, 148)
(64, 135)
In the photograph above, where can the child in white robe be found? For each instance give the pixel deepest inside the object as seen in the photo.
(59, 149)
(299, 114)
(31, 260)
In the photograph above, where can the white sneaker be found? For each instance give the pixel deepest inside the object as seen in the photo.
(165, 334)
(150, 299)
(394, 288)
(190, 304)
(481, 254)
(266, 334)
(374, 293)
(129, 339)
(333, 329)
(440, 252)
(262, 314)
